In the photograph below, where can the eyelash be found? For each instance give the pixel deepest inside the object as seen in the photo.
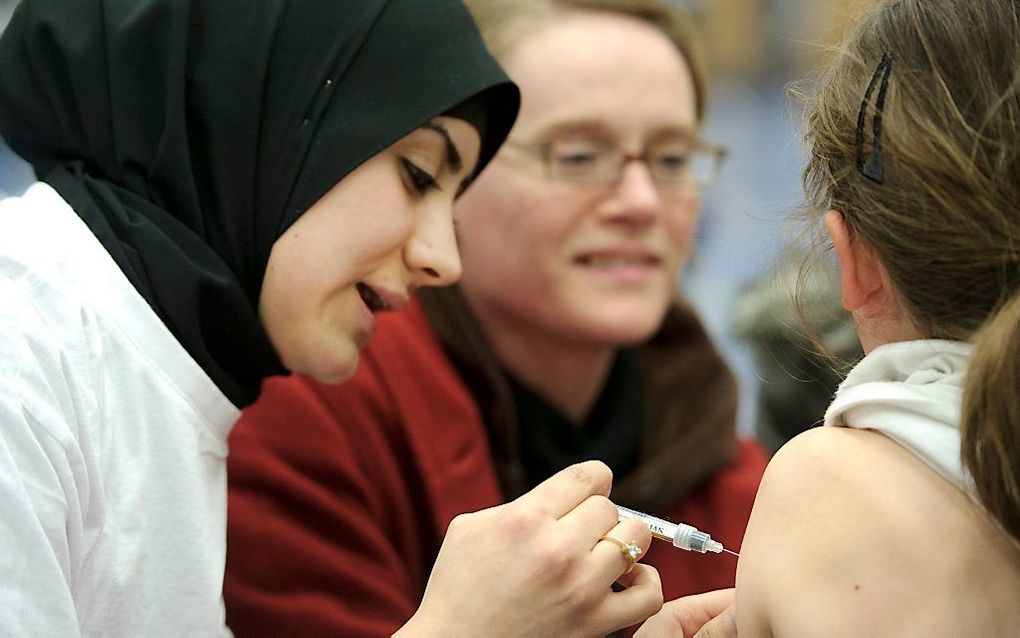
(420, 180)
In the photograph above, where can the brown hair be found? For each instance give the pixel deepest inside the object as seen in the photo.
(504, 22)
(945, 218)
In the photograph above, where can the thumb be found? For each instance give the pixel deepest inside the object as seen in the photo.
(722, 626)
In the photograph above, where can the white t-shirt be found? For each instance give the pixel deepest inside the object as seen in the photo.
(112, 445)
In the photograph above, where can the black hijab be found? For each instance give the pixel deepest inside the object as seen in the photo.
(190, 134)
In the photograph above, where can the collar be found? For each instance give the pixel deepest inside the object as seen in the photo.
(911, 391)
(689, 399)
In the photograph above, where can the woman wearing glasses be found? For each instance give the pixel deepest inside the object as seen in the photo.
(565, 341)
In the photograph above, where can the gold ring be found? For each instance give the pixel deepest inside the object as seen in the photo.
(630, 550)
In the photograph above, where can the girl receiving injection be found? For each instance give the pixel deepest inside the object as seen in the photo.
(901, 516)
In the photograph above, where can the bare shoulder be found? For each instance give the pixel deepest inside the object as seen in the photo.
(849, 535)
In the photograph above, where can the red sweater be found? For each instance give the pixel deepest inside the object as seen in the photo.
(340, 496)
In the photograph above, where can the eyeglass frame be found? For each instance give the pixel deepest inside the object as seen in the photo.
(544, 150)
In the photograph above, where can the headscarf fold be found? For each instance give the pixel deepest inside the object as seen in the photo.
(190, 134)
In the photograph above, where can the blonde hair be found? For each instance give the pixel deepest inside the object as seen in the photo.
(503, 23)
(945, 218)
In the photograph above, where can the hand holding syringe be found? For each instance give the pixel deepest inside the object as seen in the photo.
(680, 534)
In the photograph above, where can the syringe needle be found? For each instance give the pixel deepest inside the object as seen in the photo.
(729, 552)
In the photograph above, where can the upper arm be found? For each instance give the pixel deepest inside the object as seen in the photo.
(817, 555)
(35, 590)
(39, 487)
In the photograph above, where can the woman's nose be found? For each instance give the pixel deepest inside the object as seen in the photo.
(432, 254)
(637, 198)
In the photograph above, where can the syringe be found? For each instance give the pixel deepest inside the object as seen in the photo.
(680, 534)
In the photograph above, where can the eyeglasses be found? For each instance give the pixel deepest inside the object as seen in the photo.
(674, 165)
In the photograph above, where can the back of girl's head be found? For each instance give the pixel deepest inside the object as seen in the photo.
(939, 202)
(503, 23)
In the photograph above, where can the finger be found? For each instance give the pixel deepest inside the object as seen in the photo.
(686, 616)
(630, 606)
(628, 579)
(695, 611)
(563, 491)
(614, 558)
(590, 521)
(722, 626)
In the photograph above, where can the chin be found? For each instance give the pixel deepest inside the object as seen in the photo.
(329, 370)
(618, 331)
(623, 324)
(333, 378)
(630, 337)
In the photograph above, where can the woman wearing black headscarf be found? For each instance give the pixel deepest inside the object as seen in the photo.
(230, 190)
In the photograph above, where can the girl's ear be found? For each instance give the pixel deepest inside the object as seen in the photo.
(861, 273)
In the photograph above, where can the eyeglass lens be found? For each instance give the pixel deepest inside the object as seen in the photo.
(672, 165)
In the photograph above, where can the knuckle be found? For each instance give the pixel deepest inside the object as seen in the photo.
(590, 473)
(462, 527)
(707, 631)
(603, 508)
(606, 505)
(548, 558)
(654, 602)
(458, 524)
(520, 522)
(638, 531)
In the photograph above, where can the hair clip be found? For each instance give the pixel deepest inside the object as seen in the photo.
(872, 166)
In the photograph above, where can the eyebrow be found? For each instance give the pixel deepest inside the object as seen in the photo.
(452, 155)
(598, 128)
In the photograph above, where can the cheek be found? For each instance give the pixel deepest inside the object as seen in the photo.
(299, 281)
(540, 215)
(313, 331)
(511, 233)
(273, 306)
(681, 223)
(281, 298)
(485, 228)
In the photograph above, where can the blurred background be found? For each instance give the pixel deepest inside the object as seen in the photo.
(13, 172)
(743, 264)
(6, 7)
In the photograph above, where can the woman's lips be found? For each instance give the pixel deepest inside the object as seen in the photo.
(619, 266)
(379, 299)
(618, 260)
(373, 300)
(367, 299)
